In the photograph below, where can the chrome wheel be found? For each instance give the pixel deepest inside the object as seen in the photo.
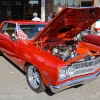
(33, 77)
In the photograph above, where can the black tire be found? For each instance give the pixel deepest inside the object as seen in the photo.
(1, 54)
(34, 79)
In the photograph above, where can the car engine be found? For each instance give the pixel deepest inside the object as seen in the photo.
(66, 52)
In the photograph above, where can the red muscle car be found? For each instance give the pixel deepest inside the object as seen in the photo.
(93, 39)
(50, 53)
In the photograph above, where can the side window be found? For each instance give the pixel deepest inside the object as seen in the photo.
(4, 28)
(10, 29)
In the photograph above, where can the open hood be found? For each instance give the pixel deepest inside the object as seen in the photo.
(68, 23)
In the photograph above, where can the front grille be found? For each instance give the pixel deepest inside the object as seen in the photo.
(86, 67)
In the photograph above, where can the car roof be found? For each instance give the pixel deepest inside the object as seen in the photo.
(25, 22)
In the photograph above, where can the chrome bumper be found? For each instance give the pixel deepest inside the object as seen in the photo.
(68, 84)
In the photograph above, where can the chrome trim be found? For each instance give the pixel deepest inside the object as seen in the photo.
(82, 68)
(56, 89)
(86, 67)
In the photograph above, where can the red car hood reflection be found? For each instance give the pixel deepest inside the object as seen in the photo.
(68, 23)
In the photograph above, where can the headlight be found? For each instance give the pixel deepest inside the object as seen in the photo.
(66, 72)
(63, 73)
(71, 70)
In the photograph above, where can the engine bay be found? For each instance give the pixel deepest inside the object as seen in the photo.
(66, 50)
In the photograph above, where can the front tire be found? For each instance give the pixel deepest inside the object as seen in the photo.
(34, 79)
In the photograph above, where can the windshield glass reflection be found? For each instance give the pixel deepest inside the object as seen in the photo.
(32, 30)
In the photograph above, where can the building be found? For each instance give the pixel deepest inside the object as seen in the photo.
(23, 9)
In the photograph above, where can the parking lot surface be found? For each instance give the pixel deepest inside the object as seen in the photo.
(13, 86)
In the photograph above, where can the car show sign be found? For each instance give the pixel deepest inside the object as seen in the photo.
(62, 2)
(70, 3)
(55, 2)
(77, 3)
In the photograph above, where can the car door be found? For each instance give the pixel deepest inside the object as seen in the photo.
(8, 46)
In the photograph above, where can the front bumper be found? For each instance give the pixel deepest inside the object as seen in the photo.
(68, 84)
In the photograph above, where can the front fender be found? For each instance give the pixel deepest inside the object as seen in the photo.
(47, 64)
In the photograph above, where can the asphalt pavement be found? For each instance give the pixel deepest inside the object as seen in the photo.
(13, 86)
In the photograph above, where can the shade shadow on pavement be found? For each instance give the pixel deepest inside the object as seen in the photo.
(14, 65)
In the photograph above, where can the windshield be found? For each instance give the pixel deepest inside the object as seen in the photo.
(32, 30)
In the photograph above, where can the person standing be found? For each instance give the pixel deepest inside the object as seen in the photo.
(54, 13)
(49, 17)
(36, 18)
